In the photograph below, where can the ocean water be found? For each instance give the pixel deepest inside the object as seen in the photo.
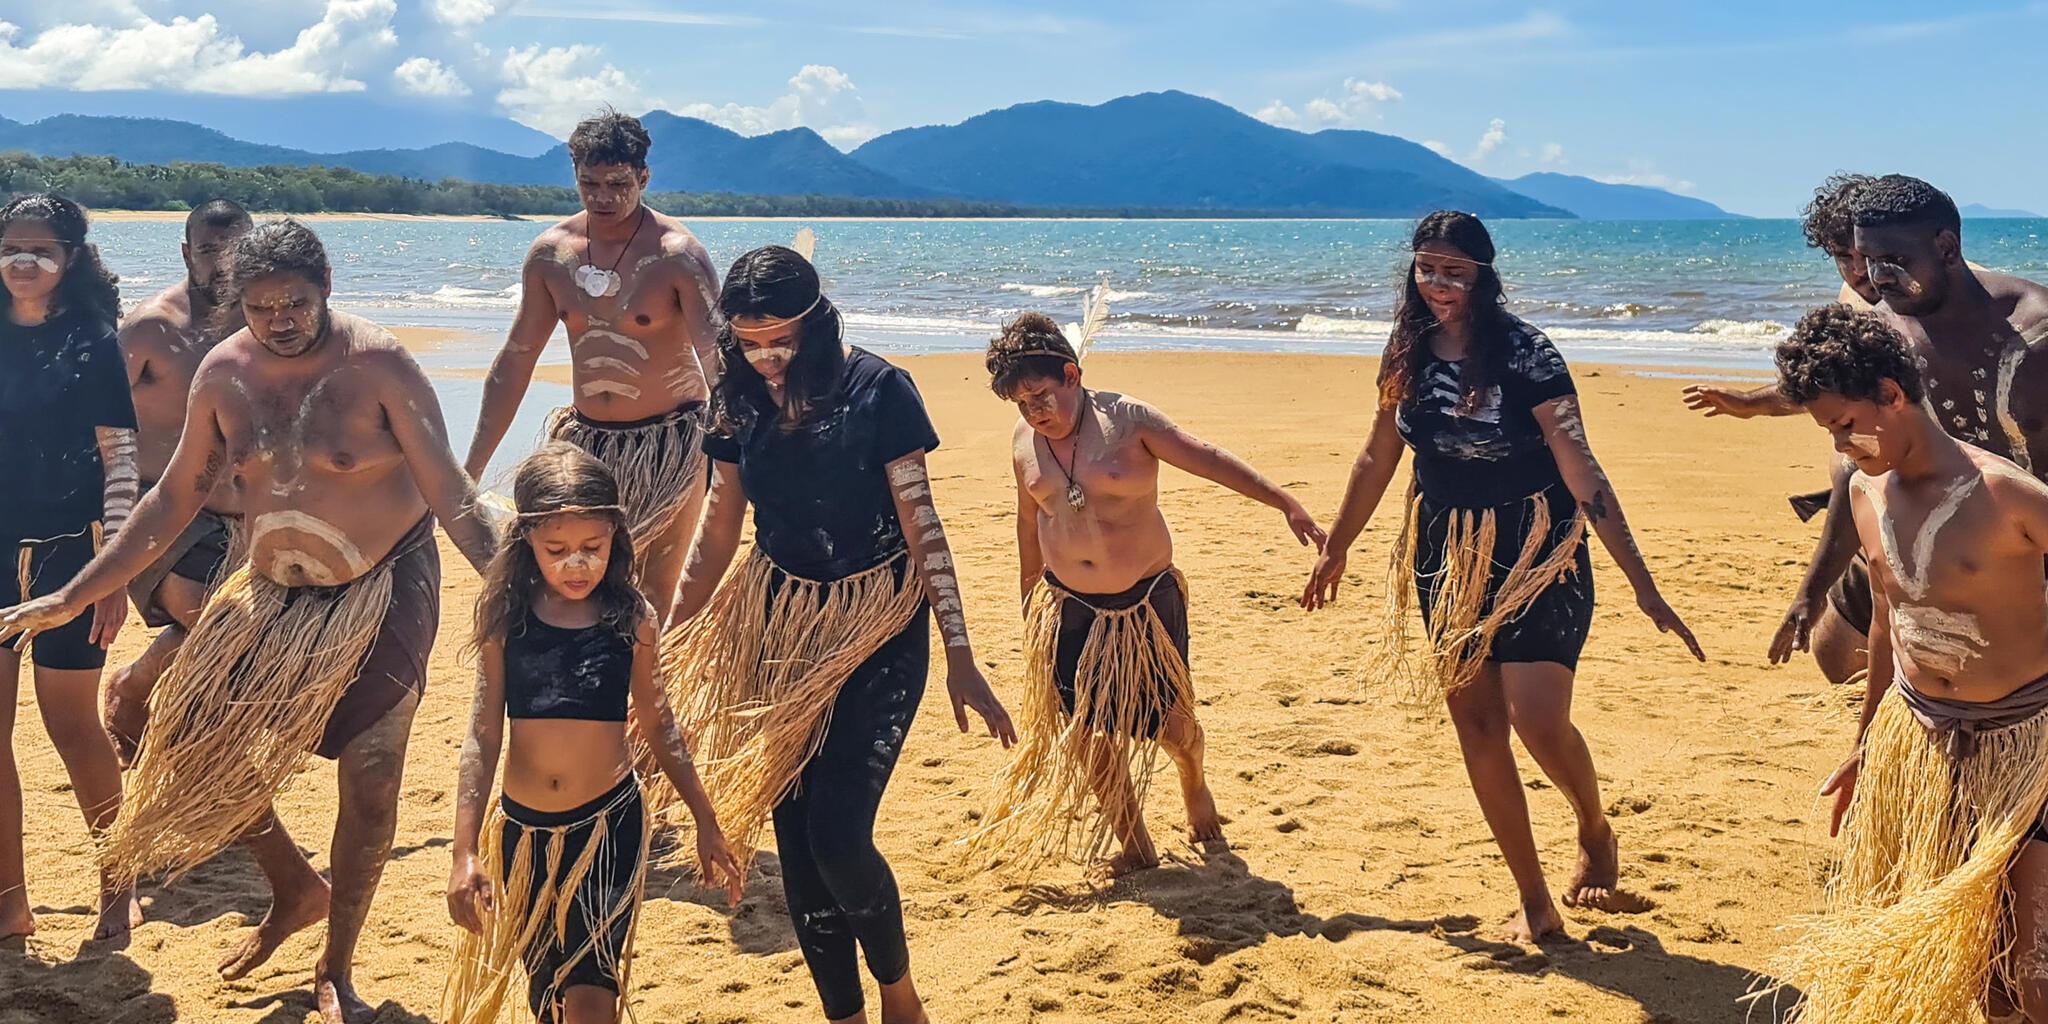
(1662, 292)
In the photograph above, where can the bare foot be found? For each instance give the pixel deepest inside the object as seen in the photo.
(288, 914)
(124, 718)
(338, 1001)
(120, 912)
(1593, 884)
(1204, 826)
(16, 919)
(1532, 926)
(1130, 861)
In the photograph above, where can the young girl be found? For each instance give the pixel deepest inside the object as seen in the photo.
(69, 467)
(564, 638)
(1506, 488)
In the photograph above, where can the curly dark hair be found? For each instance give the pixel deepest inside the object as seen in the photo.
(1031, 347)
(1837, 350)
(1828, 219)
(610, 138)
(88, 288)
(1896, 199)
(776, 282)
(557, 476)
(1407, 351)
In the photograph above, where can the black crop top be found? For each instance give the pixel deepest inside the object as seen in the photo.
(552, 672)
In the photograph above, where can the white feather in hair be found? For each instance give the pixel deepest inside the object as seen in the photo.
(1094, 313)
(805, 244)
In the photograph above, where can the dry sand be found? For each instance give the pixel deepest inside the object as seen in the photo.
(1361, 884)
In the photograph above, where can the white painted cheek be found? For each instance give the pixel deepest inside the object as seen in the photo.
(778, 355)
(1864, 445)
(583, 562)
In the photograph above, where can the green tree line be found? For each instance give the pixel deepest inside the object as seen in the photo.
(106, 183)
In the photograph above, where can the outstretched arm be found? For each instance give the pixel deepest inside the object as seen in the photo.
(414, 412)
(469, 889)
(1565, 432)
(656, 724)
(1371, 472)
(718, 539)
(512, 371)
(932, 559)
(1741, 403)
(1184, 451)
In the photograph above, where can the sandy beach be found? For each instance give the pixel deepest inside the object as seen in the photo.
(1361, 884)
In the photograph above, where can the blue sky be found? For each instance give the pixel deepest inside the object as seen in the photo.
(1744, 103)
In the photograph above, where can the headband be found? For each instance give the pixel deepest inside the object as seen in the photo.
(769, 323)
(572, 510)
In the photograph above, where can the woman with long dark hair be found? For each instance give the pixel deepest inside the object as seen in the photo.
(69, 464)
(1505, 488)
(799, 672)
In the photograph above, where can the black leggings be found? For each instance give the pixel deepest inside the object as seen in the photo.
(839, 888)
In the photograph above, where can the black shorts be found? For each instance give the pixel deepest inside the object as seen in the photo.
(1077, 615)
(50, 564)
(1553, 628)
(609, 882)
(1850, 594)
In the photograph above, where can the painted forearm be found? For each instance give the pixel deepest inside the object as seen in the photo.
(124, 483)
(157, 520)
(673, 754)
(1838, 542)
(934, 558)
(511, 375)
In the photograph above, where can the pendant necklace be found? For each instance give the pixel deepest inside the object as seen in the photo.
(599, 282)
(1075, 498)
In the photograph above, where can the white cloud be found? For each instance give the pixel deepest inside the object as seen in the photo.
(1439, 149)
(1553, 155)
(1356, 102)
(197, 55)
(465, 14)
(1645, 173)
(551, 89)
(1496, 133)
(820, 97)
(1279, 114)
(424, 76)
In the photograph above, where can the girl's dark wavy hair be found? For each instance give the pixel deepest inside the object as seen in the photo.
(775, 282)
(556, 477)
(88, 289)
(1408, 348)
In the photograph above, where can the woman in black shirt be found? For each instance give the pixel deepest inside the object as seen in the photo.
(68, 461)
(1505, 486)
(798, 675)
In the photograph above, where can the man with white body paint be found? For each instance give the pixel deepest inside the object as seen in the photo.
(1977, 337)
(339, 442)
(162, 342)
(635, 290)
(1106, 622)
(1945, 853)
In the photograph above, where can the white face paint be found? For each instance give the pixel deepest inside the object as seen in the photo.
(1864, 445)
(582, 561)
(1428, 280)
(29, 259)
(781, 354)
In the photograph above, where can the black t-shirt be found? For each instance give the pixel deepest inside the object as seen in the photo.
(822, 504)
(58, 381)
(1493, 452)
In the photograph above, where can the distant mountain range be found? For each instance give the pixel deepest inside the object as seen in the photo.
(1979, 211)
(1145, 153)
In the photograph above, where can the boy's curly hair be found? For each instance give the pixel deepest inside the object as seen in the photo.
(1837, 350)
(1031, 347)
(1829, 218)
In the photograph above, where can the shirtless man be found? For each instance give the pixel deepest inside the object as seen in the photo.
(1106, 612)
(1971, 333)
(636, 290)
(162, 341)
(1954, 753)
(339, 442)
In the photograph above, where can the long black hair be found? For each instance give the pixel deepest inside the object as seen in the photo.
(88, 289)
(1408, 349)
(558, 479)
(775, 282)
